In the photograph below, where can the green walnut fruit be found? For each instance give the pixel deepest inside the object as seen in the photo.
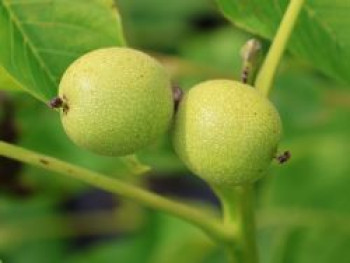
(226, 132)
(115, 101)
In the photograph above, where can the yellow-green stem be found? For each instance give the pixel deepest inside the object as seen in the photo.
(238, 216)
(267, 73)
(246, 222)
(211, 225)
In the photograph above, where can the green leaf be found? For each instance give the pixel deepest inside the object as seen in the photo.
(321, 36)
(40, 38)
(7, 82)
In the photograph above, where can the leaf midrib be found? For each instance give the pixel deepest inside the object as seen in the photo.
(16, 21)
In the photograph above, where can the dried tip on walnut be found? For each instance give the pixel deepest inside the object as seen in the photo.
(284, 157)
(55, 103)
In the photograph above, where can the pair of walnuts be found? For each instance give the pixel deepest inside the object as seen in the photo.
(116, 101)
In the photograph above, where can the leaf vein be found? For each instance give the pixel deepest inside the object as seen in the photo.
(58, 52)
(56, 24)
(16, 22)
(26, 2)
(323, 25)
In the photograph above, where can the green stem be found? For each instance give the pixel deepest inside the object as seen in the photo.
(238, 213)
(268, 70)
(246, 222)
(208, 223)
(228, 206)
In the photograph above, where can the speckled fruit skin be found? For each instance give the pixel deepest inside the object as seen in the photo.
(118, 100)
(226, 132)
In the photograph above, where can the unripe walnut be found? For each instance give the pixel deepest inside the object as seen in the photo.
(115, 101)
(226, 132)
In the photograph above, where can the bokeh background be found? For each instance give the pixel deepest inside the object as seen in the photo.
(303, 207)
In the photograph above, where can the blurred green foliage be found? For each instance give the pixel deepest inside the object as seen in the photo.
(321, 30)
(303, 206)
